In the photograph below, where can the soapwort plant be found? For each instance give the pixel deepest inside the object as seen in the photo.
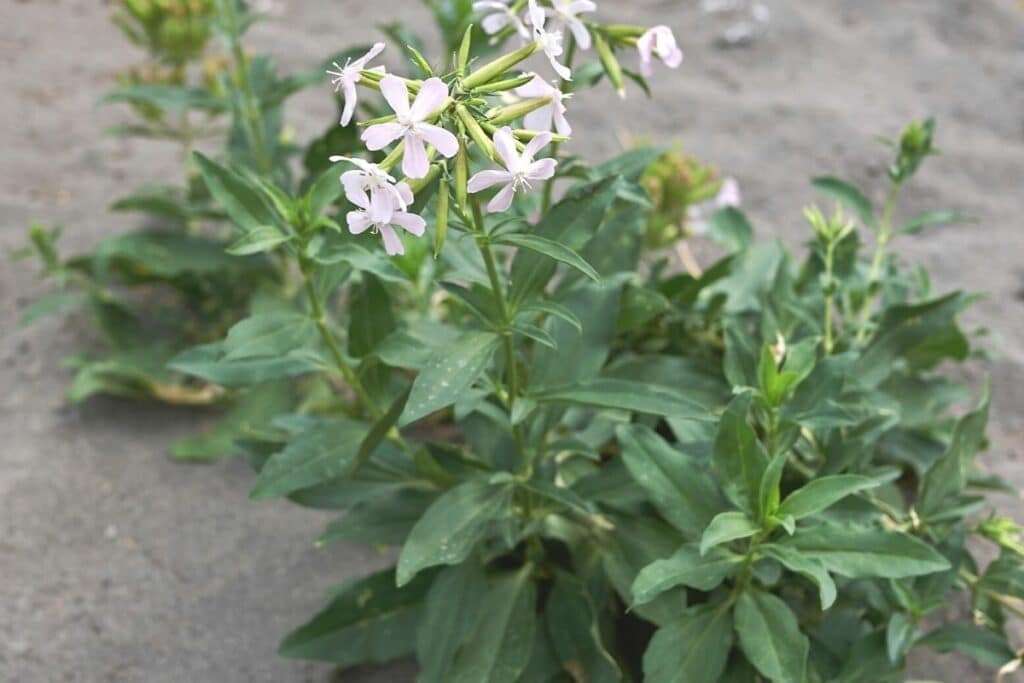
(596, 467)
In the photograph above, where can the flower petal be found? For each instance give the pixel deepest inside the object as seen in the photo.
(355, 190)
(535, 145)
(506, 146)
(358, 222)
(382, 205)
(537, 16)
(351, 97)
(443, 141)
(381, 135)
(542, 170)
(540, 119)
(485, 179)
(493, 23)
(392, 242)
(414, 160)
(405, 197)
(409, 222)
(396, 93)
(562, 123)
(580, 33)
(561, 69)
(431, 96)
(502, 200)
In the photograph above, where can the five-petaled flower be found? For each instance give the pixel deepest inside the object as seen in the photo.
(567, 12)
(385, 219)
(412, 124)
(346, 77)
(658, 41)
(499, 16)
(550, 41)
(520, 169)
(552, 114)
(369, 185)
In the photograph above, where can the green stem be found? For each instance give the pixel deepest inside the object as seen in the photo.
(566, 87)
(228, 11)
(829, 273)
(347, 372)
(884, 237)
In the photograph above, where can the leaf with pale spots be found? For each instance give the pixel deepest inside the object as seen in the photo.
(450, 371)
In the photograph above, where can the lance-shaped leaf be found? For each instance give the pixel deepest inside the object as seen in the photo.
(687, 567)
(770, 637)
(726, 527)
(848, 195)
(620, 394)
(451, 527)
(325, 450)
(240, 198)
(820, 494)
(499, 649)
(370, 621)
(449, 372)
(739, 458)
(680, 488)
(207, 362)
(984, 645)
(451, 616)
(693, 649)
(860, 553)
(947, 476)
(809, 567)
(573, 624)
(267, 334)
(551, 249)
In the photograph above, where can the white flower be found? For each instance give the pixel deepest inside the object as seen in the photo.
(412, 124)
(550, 41)
(729, 194)
(368, 185)
(661, 42)
(385, 223)
(520, 169)
(567, 10)
(553, 114)
(346, 77)
(697, 216)
(500, 16)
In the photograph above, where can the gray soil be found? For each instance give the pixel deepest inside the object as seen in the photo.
(118, 564)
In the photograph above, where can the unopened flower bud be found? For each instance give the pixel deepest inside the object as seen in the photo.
(499, 66)
(611, 64)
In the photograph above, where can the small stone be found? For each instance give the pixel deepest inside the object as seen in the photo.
(110, 532)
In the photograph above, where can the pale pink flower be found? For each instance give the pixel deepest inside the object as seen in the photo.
(550, 41)
(367, 218)
(567, 11)
(729, 195)
(553, 114)
(499, 16)
(658, 41)
(368, 185)
(412, 124)
(520, 169)
(346, 77)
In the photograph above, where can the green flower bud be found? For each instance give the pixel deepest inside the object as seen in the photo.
(441, 233)
(610, 63)
(499, 66)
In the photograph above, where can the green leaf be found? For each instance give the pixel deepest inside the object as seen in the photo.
(822, 493)
(384, 519)
(500, 647)
(812, 569)
(239, 197)
(323, 193)
(551, 249)
(51, 304)
(326, 450)
(166, 97)
(988, 647)
(693, 649)
(619, 394)
(739, 458)
(452, 527)
(371, 316)
(267, 334)
(923, 220)
(451, 616)
(726, 527)
(770, 637)
(867, 553)
(258, 240)
(850, 196)
(573, 620)
(370, 621)
(571, 223)
(900, 634)
(680, 488)
(380, 429)
(555, 310)
(687, 567)
(729, 227)
(535, 333)
(947, 477)
(206, 362)
(449, 372)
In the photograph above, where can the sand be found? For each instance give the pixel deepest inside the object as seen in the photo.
(117, 564)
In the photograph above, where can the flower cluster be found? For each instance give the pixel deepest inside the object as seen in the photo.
(435, 122)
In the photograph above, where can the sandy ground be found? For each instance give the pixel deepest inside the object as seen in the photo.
(120, 565)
